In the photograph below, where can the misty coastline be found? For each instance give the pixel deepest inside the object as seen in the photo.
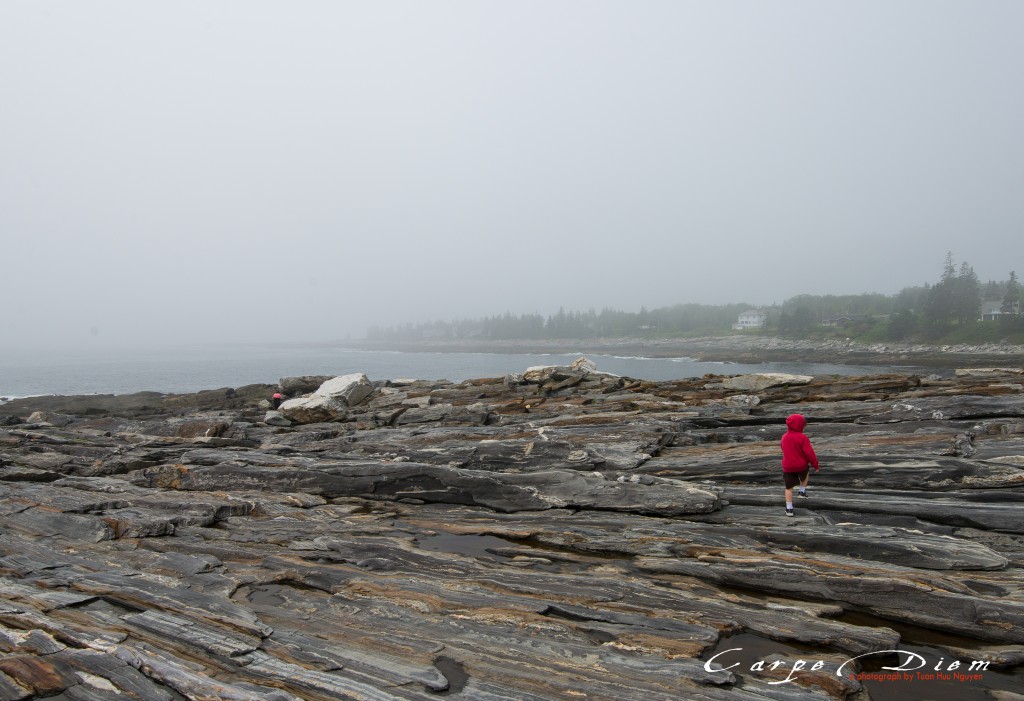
(200, 367)
(731, 349)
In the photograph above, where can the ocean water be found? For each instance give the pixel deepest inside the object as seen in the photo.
(194, 368)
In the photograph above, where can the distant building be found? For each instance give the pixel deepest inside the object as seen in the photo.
(843, 319)
(991, 311)
(750, 319)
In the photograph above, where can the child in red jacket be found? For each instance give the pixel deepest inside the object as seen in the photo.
(797, 457)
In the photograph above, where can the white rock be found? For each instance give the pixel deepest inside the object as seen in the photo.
(743, 400)
(988, 372)
(349, 389)
(759, 381)
(314, 409)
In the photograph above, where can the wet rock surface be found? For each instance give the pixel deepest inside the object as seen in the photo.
(558, 534)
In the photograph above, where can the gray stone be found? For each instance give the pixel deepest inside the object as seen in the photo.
(276, 418)
(293, 386)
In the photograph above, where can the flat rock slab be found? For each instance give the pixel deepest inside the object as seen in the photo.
(558, 534)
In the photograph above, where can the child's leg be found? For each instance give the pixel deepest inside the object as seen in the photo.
(804, 479)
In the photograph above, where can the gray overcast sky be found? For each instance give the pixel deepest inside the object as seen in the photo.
(246, 170)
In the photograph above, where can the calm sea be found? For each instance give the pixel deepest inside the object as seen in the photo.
(191, 369)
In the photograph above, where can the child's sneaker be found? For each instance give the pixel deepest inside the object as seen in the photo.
(802, 495)
(789, 512)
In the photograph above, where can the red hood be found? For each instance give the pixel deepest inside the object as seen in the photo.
(796, 422)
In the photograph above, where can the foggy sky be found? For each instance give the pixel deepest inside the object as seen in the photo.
(250, 170)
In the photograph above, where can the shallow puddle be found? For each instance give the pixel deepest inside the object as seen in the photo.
(480, 546)
(455, 672)
(282, 595)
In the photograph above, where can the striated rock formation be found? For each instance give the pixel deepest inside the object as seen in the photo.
(559, 534)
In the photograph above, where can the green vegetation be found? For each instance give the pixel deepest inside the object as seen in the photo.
(956, 309)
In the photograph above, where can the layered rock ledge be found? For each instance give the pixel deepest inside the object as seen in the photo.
(558, 534)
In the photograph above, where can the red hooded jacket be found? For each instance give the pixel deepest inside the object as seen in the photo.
(797, 452)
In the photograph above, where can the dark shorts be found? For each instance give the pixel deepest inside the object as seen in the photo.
(792, 479)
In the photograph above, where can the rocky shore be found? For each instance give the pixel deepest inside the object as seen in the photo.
(558, 534)
(743, 348)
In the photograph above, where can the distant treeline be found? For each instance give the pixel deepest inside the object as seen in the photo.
(957, 308)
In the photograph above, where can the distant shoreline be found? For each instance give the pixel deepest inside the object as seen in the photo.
(738, 349)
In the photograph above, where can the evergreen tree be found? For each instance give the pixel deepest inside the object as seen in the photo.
(901, 325)
(948, 269)
(1011, 297)
(803, 319)
(940, 307)
(912, 298)
(967, 295)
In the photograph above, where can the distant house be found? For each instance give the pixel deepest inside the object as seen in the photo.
(843, 319)
(750, 319)
(991, 310)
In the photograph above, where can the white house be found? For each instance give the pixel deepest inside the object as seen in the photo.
(991, 311)
(751, 319)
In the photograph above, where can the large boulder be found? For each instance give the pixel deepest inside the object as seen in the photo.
(350, 389)
(539, 374)
(292, 386)
(314, 409)
(330, 402)
(49, 417)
